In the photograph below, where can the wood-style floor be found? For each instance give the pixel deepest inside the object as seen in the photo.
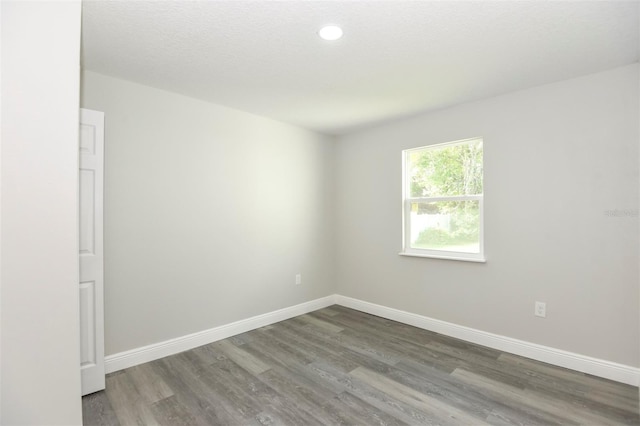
(337, 366)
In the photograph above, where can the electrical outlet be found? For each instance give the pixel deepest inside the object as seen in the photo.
(540, 309)
(298, 279)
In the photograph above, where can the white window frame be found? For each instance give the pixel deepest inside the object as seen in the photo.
(407, 250)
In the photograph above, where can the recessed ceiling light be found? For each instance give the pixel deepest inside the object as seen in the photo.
(330, 32)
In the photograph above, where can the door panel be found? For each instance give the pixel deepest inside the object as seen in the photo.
(87, 216)
(88, 356)
(91, 286)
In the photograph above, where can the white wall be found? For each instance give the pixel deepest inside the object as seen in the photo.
(557, 157)
(209, 213)
(39, 240)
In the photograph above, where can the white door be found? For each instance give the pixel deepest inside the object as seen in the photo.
(91, 250)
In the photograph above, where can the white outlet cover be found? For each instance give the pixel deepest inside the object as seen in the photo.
(540, 309)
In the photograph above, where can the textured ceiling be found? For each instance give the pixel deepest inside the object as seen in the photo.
(396, 58)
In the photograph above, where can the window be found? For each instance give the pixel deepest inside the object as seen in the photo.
(442, 191)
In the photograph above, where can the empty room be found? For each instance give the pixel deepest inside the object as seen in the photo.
(320, 212)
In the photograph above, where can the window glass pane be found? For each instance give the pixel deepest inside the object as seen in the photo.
(446, 171)
(446, 225)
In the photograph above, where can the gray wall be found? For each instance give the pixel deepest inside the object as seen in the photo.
(557, 158)
(40, 344)
(209, 213)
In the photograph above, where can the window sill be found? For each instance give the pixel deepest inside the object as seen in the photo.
(444, 257)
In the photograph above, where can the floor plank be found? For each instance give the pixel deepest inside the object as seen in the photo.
(97, 410)
(338, 366)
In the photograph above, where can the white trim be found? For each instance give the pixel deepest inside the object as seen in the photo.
(443, 144)
(155, 351)
(597, 367)
(433, 256)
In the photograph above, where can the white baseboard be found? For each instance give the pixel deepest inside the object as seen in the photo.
(597, 367)
(159, 350)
